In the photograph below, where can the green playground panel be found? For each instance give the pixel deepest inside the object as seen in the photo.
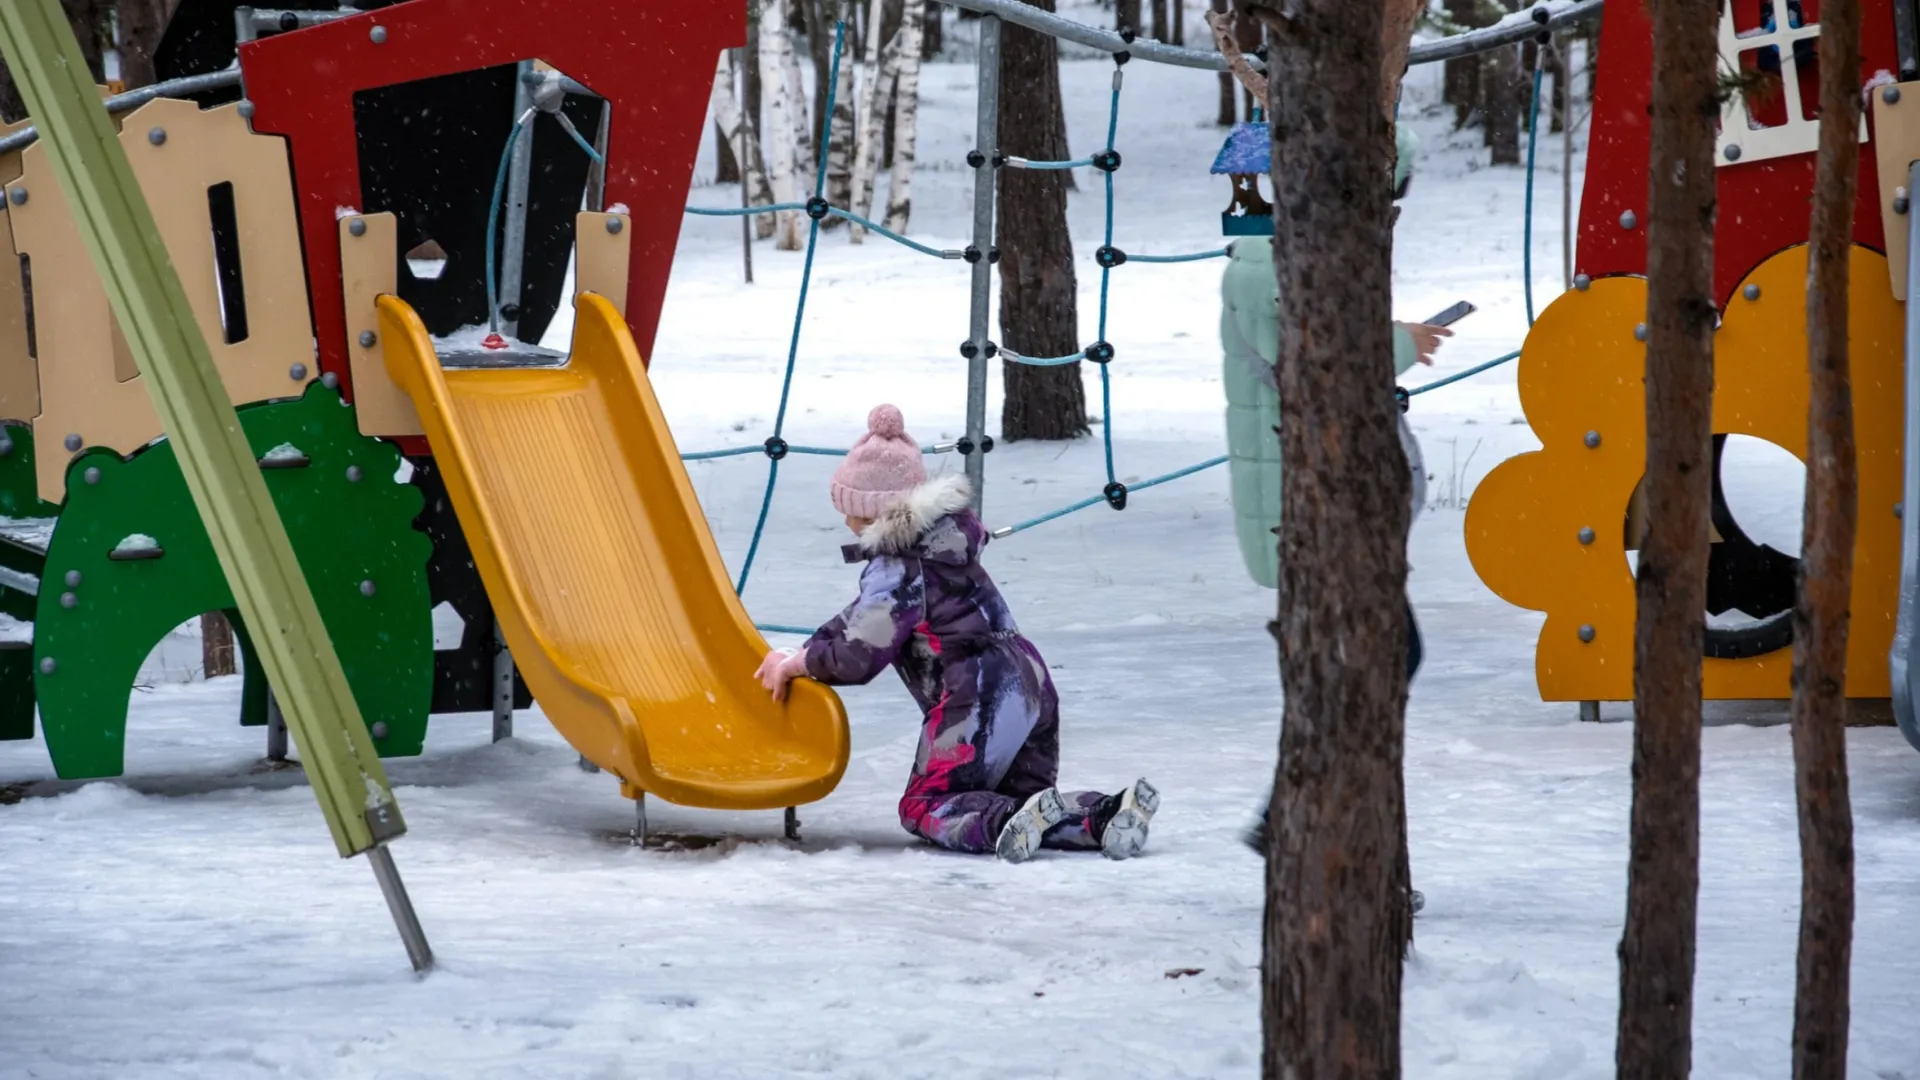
(131, 560)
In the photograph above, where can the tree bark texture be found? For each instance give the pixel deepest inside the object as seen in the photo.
(1336, 896)
(840, 143)
(1229, 113)
(777, 136)
(91, 25)
(1039, 310)
(1250, 34)
(906, 122)
(216, 646)
(1500, 87)
(142, 22)
(1462, 78)
(1179, 21)
(932, 37)
(1126, 15)
(818, 20)
(1821, 1007)
(1159, 21)
(739, 139)
(1396, 41)
(877, 70)
(1663, 869)
(726, 164)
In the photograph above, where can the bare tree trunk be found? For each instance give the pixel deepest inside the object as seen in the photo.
(777, 137)
(932, 35)
(1557, 70)
(1820, 620)
(906, 120)
(802, 116)
(216, 646)
(1462, 78)
(876, 87)
(750, 99)
(739, 140)
(1663, 869)
(1179, 21)
(1039, 312)
(818, 23)
(1250, 35)
(1229, 110)
(1337, 906)
(726, 164)
(1500, 86)
(142, 22)
(1126, 15)
(91, 25)
(840, 144)
(1158, 10)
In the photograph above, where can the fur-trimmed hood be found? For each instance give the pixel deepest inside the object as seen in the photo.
(933, 521)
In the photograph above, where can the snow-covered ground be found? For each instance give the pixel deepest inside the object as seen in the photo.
(191, 921)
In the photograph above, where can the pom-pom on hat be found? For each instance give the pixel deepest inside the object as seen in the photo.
(881, 468)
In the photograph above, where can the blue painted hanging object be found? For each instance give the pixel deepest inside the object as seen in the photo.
(1244, 158)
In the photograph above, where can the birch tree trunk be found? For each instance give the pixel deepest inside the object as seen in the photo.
(1821, 1006)
(1663, 867)
(736, 134)
(796, 94)
(777, 137)
(840, 144)
(1337, 906)
(873, 130)
(906, 119)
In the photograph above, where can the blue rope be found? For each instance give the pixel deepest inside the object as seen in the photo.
(581, 141)
(1216, 253)
(799, 315)
(1106, 278)
(1095, 500)
(1024, 163)
(493, 226)
(777, 628)
(742, 211)
(848, 215)
(1533, 137)
(1467, 374)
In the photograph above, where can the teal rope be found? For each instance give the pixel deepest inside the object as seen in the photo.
(799, 316)
(742, 211)
(493, 226)
(1095, 500)
(1467, 374)
(1216, 253)
(1533, 138)
(1023, 163)
(1106, 278)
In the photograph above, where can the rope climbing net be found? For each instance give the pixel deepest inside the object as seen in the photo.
(1101, 352)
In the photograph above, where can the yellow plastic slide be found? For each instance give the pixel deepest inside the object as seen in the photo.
(607, 584)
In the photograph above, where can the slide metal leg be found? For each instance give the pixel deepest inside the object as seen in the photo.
(276, 730)
(793, 823)
(640, 820)
(1590, 712)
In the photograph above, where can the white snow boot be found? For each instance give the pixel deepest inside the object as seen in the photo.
(1126, 832)
(1020, 836)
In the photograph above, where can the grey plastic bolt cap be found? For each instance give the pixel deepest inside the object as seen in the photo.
(73, 579)
(1593, 440)
(354, 474)
(378, 729)
(1586, 632)
(73, 442)
(157, 136)
(378, 35)
(358, 226)
(47, 665)
(1582, 282)
(614, 225)
(298, 372)
(92, 474)
(1586, 535)
(367, 338)
(1751, 292)
(1628, 219)
(1640, 331)
(366, 587)
(68, 600)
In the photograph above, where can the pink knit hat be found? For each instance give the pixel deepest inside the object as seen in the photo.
(881, 467)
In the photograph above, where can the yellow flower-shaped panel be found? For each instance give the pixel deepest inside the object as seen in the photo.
(1546, 530)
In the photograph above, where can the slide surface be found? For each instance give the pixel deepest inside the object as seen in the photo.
(607, 584)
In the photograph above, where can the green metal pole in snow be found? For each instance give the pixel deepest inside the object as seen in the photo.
(221, 472)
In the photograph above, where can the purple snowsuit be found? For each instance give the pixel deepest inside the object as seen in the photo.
(991, 734)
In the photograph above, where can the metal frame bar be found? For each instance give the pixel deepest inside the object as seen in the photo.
(1906, 39)
(986, 142)
(1902, 668)
(1509, 31)
(513, 241)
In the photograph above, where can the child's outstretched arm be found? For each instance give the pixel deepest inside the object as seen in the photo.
(862, 641)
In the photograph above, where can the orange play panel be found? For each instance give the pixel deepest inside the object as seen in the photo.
(608, 585)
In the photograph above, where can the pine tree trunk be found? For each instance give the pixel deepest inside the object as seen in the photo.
(1500, 78)
(1250, 35)
(1663, 869)
(932, 35)
(1126, 15)
(1461, 82)
(142, 22)
(1159, 16)
(1228, 113)
(906, 119)
(777, 137)
(216, 646)
(1337, 906)
(1557, 70)
(738, 139)
(1821, 992)
(1179, 21)
(1039, 310)
(819, 29)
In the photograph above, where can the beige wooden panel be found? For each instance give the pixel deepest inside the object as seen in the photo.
(1896, 146)
(600, 257)
(19, 382)
(88, 394)
(200, 150)
(369, 267)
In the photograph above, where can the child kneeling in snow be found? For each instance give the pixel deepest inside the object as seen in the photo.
(990, 738)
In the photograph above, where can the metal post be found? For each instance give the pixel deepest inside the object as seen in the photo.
(640, 820)
(1590, 712)
(276, 729)
(1906, 42)
(746, 220)
(502, 686)
(1905, 646)
(513, 241)
(791, 826)
(404, 919)
(986, 144)
(243, 24)
(597, 171)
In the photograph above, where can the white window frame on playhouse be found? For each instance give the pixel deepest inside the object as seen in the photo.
(1740, 141)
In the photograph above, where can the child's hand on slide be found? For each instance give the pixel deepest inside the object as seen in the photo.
(780, 667)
